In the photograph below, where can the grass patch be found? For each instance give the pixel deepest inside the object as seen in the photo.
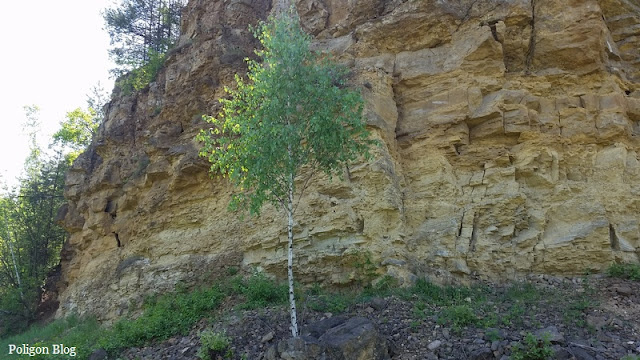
(625, 271)
(163, 317)
(71, 331)
(334, 303)
(458, 317)
(447, 295)
(532, 348)
(214, 345)
(259, 291)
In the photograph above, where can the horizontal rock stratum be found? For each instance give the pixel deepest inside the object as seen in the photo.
(509, 134)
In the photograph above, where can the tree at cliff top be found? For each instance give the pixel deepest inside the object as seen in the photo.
(141, 32)
(293, 118)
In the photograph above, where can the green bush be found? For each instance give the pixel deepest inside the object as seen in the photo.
(137, 79)
(625, 271)
(445, 296)
(185, 309)
(458, 316)
(214, 345)
(532, 348)
(259, 291)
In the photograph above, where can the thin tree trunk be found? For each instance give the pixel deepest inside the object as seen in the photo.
(292, 297)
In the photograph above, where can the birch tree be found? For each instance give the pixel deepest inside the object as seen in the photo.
(293, 117)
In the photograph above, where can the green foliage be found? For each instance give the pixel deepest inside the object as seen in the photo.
(80, 125)
(458, 316)
(141, 30)
(335, 302)
(384, 286)
(138, 78)
(448, 295)
(365, 268)
(185, 309)
(525, 292)
(80, 333)
(260, 291)
(214, 345)
(77, 131)
(163, 316)
(30, 239)
(294, 111)
(532, 348)
(493, 335)
(625, 271)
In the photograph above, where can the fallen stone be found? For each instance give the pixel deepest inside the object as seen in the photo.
(624, 290)
(434, 345)
(554, 336)
(580, 354)
(268, 337)
(336, 338)
(481, 354)
(378, 303)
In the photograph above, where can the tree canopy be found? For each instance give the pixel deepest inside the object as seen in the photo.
(141, 31)
(293, 117)
(30, 240)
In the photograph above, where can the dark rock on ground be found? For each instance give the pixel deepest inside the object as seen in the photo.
(338, 338)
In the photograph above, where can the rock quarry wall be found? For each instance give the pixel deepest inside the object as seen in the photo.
(509, 132)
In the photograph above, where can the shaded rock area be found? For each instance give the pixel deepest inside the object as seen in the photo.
(337, 338)
(509, 146)
(554, 307)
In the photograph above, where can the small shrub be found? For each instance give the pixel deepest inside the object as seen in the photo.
(446, 296)
(458, 316)
(383, 287)
(185, 309)
(525, 292)
(137, 79)
(214, 345)
(625, 271)
(493, 335)
(365, 268)
(532, 348)
(334, 303)
(630, 357)
(260, 291)
(420, 310)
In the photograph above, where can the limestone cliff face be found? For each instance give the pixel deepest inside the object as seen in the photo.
(510, 146)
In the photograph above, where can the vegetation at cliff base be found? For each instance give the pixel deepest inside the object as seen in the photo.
(294, 117)
(30, 240)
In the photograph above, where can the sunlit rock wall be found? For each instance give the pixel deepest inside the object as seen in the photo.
(509, 145)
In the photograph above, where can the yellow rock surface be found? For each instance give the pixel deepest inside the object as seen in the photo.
(509, 136)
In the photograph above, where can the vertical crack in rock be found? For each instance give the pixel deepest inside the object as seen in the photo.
(461, 222)
(494, 32)
(532, 40)
(117, 239)
(613, 238)
(474, 234)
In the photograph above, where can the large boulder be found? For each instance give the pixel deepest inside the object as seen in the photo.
(338, 338)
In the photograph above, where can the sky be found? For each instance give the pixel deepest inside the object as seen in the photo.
(53, 54)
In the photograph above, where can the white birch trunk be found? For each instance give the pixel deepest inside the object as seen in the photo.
(292, 297)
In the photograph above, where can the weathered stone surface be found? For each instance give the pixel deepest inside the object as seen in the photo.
(337, 338)
(509, 134)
